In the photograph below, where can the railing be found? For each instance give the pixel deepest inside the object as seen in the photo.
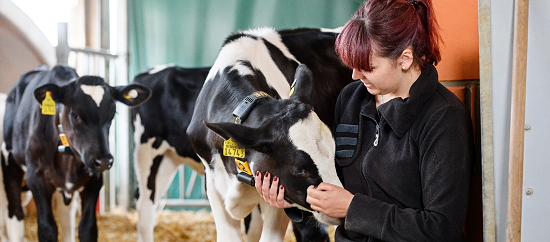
(117, 191)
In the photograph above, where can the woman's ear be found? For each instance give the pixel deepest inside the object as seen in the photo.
(406, 59)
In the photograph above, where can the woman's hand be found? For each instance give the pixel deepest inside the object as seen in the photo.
(273, 193)
(331, 200)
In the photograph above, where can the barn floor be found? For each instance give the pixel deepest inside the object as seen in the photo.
(171, 226)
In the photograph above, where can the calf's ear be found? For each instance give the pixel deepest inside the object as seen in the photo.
(302, 88)
(56, 93)
(132, 95)
(245, 137)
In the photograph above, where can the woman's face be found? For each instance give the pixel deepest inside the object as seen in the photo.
(385, 77)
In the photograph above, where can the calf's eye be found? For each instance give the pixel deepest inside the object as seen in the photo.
(76, 118)
(300, 172)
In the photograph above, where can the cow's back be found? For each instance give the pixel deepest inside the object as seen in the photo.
(287, 49)
(315, 49)
(167, 114)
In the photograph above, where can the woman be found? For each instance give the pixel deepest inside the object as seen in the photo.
(404, 143)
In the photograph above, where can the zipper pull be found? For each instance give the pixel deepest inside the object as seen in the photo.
(377, 135)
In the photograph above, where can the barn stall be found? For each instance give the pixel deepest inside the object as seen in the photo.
(118, 39)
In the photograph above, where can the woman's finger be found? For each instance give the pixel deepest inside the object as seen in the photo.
(258, 182)
(274, 189)
(281, 198)
(266, 185)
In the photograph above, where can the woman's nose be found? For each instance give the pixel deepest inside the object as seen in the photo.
(356, 75)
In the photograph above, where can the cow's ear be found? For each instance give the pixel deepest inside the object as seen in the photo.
(56, 92)
(132, 95)
(302, 87)
(245, 137)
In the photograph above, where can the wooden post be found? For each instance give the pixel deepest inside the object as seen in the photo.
(517, 122)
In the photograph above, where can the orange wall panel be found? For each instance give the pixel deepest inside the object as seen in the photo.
(459, 30)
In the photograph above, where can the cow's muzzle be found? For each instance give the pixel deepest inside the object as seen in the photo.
(103, 163)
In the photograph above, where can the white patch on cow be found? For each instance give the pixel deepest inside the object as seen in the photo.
(15, 228)
(256, 52)
(96, 92)
(143, 160)
(5, 152)
(69, 185)
(336, 30)
(159, 68)
(65, 215)
(227, 228)
(68, 195)
(242, 69)
(314, 137)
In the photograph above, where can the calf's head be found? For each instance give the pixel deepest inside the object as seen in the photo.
(86, 108)
(287, 138)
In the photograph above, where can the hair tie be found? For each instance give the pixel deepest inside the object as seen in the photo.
(412, 2)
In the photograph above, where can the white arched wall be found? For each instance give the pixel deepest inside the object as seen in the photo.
(23, 46)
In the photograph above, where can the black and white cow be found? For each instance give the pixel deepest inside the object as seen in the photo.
(281, 134)
(43, 109)
(161, 144)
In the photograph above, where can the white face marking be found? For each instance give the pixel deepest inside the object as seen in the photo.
(159, 68)
(314, 137)
(256, 52)
(96, 92)
(69, 185)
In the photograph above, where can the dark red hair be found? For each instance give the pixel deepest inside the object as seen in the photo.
(388, 27)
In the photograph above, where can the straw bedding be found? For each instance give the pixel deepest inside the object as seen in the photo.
(171, 226)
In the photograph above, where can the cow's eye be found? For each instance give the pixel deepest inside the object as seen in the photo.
(76, 118)
(300, 172)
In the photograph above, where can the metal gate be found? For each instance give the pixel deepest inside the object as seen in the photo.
(187, 189)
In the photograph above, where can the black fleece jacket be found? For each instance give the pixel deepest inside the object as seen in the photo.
(409, 163)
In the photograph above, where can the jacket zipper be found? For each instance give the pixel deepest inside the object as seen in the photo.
(376, 135)
(375, 143)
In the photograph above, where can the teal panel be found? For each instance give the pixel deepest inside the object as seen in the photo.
(189, 33)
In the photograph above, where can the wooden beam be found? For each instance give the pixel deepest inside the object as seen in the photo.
(517, 121)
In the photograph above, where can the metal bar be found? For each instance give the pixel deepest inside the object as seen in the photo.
(90, 51)
(187, 203)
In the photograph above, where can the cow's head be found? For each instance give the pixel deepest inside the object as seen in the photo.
(286, 138)
(86, 107)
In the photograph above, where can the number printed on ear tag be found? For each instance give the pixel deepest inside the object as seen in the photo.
(231, 149)
(48, 104)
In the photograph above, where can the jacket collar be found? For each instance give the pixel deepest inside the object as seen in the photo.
(401, 113)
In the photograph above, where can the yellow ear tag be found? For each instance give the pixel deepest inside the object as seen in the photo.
(48, 104)
(292, 88)
(231, 149)
(131, 94)
(243, 166)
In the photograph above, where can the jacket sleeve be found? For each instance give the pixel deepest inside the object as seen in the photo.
(446, 154)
